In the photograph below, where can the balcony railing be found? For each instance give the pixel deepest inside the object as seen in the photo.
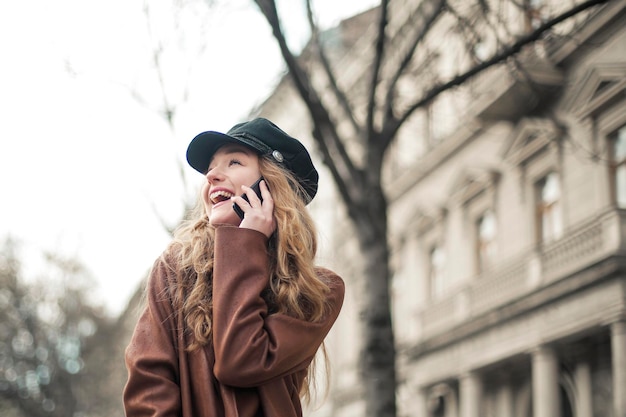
(581, 247)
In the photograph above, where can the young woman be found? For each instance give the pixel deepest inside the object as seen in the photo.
(236, 308)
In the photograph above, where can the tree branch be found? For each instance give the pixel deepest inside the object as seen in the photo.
(342, 99)
(427, 14)
(509, 51)
(325, 133)
(379, 53)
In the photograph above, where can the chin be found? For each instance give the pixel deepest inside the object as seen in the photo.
(232, 220)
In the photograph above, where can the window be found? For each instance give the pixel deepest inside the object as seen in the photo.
(536, 148)
(475, 190)
(618, 167)
(437, 272)
(486, 248)
(549, 219)
(430, 230)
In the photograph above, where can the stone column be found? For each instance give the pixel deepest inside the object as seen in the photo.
(505, 405)
(471, 394)
(618, 349)
(419, 403)
(545, 378)
(584, 400)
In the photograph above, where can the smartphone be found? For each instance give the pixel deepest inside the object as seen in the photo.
(257, 190)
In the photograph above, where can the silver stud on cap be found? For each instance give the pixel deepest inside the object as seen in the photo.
(278, 156)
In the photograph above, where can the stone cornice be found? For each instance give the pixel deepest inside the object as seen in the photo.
(560, 49)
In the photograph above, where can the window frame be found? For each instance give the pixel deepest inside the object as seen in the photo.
(536, 148)
(430, 231)
(476, 191)
(485, 263)
(614, 165)
(555, 208)
(437, 292)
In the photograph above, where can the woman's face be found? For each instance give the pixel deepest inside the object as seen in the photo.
(231, 167)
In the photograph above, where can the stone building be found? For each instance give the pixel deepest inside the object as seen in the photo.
(508, 232)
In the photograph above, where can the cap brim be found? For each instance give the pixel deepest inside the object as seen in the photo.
(202, 148)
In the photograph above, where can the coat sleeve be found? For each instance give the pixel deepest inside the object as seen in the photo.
(252, 347)
(151, 359)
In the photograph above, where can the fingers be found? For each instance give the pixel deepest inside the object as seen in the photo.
(259, 214)
(254, 199)
(265, 191)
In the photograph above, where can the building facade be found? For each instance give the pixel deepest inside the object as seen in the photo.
(508, 235)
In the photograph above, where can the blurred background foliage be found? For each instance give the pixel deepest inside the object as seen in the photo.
(56, 344)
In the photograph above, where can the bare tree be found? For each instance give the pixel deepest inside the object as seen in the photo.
(174, 49)
(376, 114)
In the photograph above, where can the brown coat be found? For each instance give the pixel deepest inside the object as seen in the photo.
(257, 362)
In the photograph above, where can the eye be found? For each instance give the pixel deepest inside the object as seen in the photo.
(234, 161)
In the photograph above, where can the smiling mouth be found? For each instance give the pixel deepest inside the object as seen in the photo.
(219, 196)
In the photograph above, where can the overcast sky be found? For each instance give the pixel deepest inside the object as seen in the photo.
(87, 164)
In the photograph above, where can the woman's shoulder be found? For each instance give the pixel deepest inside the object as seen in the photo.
(331, 278)
(336, 291)
(165, 266)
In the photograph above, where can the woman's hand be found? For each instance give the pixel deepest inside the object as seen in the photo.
(257, 215)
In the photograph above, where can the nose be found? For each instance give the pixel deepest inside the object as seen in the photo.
(214, 175)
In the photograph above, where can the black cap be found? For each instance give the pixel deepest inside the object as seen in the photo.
(265, 138)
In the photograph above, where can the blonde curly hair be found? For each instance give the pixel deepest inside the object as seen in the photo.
(295, 288)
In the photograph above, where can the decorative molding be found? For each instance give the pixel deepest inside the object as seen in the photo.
(598, 88)
(530, 136)
(472, 181)
(424, 221)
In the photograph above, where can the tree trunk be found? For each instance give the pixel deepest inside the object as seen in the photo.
(377, 355)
